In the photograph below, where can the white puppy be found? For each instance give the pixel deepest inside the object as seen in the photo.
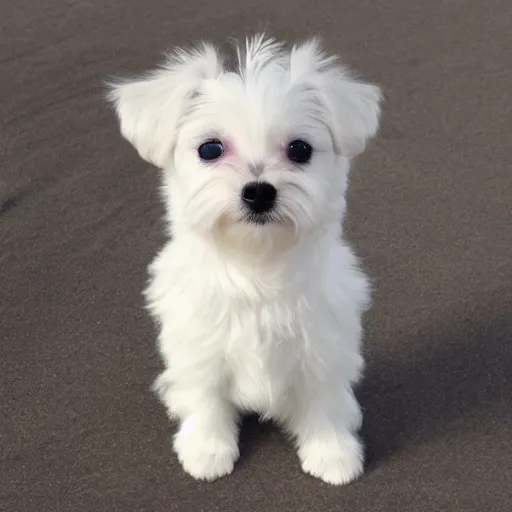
(257, 297)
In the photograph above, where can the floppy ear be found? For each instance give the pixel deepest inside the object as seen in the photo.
(355, 108)
(150, 108)
(351, 107)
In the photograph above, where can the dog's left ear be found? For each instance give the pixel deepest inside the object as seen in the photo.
(150, 109)
(352, 107)
(355, 108)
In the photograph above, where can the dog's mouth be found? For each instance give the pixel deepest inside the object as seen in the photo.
(262, 219)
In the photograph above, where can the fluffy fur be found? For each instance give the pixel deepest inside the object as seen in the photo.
(256, 317)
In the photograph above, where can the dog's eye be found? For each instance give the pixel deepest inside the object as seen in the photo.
(210, 150)
(299, 151)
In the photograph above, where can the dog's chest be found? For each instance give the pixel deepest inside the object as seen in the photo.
(263, 359)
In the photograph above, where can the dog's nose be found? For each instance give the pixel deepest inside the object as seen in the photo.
(259, 196)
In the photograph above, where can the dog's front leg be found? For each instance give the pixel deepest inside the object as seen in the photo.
(207, 439)
(325, 427)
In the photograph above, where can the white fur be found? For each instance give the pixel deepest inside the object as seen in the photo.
(263, 318)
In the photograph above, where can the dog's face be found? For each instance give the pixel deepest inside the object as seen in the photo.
(258, 153)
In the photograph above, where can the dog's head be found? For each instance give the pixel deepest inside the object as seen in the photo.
(259, 151)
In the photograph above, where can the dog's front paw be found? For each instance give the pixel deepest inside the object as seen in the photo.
(206, 456)
(336, 462)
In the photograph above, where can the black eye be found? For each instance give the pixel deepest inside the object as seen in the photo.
(299, 151)
(210, 150)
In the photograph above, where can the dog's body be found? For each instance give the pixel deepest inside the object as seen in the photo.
(258, 300)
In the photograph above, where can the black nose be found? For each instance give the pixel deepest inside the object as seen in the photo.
(259, 196)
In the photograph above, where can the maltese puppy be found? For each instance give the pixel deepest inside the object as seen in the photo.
(257, 297)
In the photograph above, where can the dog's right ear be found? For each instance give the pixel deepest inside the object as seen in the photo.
(150, 108)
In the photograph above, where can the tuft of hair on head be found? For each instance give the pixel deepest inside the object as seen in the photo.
(256, 53)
